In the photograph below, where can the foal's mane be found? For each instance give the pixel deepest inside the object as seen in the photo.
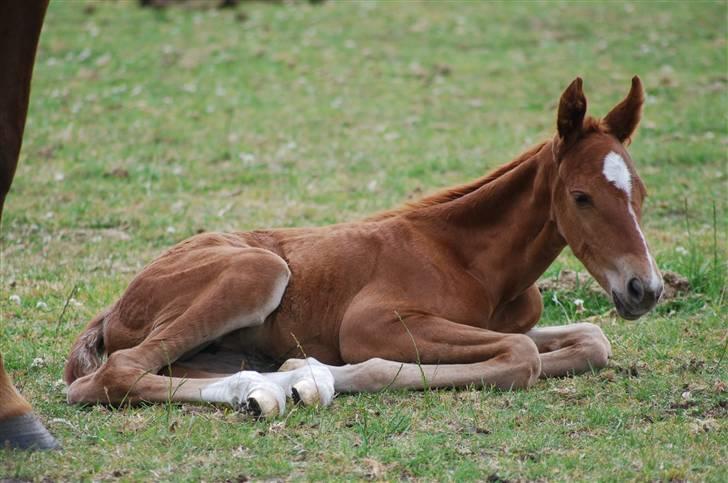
(455, 192)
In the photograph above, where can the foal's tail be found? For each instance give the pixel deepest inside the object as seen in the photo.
(85, 355)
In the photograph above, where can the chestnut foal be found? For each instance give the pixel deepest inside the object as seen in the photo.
(440, 293)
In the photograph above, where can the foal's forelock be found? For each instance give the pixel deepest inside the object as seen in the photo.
(615, 170)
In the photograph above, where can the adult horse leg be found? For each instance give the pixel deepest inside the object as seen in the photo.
(20, 26)
(241, 294)
(571, 349)
(19, 428)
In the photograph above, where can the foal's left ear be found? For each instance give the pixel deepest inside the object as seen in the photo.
(572, 108)
(623, 119)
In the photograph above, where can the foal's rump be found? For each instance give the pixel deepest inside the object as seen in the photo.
(215, 282)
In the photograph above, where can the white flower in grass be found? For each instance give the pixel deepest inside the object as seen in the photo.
(15, 299)
(681, 250)
(579, 303)
(247, 157)
(41, 305)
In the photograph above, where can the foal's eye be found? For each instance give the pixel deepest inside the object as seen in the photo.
(581, 199)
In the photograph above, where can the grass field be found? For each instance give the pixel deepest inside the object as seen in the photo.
(148, 126)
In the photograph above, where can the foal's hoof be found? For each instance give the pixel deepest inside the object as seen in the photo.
(261, 404)
(252, 407)
(307, 392)
(295, 396)
(311, 383)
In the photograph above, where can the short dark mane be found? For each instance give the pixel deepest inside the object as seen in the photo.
(450, 194)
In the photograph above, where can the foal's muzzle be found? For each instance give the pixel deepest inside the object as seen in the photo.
(637, 299)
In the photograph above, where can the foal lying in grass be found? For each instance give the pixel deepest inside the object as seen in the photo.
(440, 293)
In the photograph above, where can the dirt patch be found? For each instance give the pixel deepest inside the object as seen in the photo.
(569, 280)
(675, 284)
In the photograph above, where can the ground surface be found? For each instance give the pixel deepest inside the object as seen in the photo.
(148, 126)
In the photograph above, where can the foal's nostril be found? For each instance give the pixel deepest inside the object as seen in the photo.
(636, 290)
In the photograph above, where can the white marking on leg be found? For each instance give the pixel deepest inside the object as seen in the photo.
(237, 389)
(312, 380)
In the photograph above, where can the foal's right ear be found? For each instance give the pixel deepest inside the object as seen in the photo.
(572, 109)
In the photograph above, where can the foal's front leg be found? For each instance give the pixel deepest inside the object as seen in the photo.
(571, 349)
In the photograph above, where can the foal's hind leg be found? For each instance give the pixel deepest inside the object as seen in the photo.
(247, 288)
(571, 349)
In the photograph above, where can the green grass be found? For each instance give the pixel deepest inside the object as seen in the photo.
(148, 126)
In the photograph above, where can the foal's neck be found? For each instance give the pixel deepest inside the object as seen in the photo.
(503, 231)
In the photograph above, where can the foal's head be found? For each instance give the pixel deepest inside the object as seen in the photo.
(598, 196)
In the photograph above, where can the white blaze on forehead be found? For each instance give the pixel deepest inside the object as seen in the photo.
(617, 173)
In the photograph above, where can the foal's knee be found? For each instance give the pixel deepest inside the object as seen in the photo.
(525, 360)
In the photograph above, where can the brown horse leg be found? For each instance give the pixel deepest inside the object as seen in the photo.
(571, 349)
(377, 374)
(18, 426)
(451, 354)
(20, 25)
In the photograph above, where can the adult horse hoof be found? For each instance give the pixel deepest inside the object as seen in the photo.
(26, 432)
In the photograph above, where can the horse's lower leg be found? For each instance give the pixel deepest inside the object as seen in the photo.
(571, 349)
(262, 394)
(450, 354)
(380, 374)
(19, 428)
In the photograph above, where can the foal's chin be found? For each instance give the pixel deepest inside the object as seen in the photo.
(627, 312)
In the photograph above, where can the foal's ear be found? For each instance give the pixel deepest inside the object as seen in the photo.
(572, 109)
(623, 119)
